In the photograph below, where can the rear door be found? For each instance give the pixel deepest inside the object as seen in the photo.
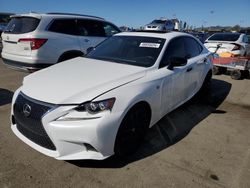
(18, 28)
(195, 64)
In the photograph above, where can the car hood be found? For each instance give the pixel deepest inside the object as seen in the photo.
(78, 80)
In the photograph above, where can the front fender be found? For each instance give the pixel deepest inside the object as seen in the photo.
(129, 95)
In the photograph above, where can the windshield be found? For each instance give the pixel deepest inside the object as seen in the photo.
(158, 22)
(225, 36)
(132, 50)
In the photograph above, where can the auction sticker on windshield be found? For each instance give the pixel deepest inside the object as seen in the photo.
(149, 45)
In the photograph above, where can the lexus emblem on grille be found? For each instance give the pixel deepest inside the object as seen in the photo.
(26, 110)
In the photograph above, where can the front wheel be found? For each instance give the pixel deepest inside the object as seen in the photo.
(132, 130)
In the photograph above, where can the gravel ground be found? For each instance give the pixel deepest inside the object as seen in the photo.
(204, 143)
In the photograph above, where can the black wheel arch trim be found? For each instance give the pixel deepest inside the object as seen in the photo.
(67, 53)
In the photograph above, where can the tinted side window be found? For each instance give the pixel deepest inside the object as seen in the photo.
(175, 48)
(110, 29)
(193, 48)
(18, 25)
(248, 38)
(245, 39)
(65, 26)
(90, 28)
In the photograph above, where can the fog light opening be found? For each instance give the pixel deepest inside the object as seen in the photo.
(89, 147)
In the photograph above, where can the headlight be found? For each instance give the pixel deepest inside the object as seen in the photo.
(88, 110)
(96, 107)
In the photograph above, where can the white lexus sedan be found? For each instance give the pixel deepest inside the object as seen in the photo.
(95, 106)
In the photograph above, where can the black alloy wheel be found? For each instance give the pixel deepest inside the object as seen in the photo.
(132, 130)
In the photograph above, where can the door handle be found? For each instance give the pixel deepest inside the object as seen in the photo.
(189, 69)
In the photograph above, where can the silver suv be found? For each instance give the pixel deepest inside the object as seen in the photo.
(34, 41)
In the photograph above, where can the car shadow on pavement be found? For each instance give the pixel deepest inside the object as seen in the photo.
(171, 128)
(5, 96)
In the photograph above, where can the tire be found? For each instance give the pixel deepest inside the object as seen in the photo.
(236, 74)
(222, 70)
(132, 130)
(216, 70)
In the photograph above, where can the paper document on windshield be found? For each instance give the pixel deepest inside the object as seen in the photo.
(149, 45)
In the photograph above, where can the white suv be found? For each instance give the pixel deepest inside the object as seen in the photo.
(109, 99)
(34, 41)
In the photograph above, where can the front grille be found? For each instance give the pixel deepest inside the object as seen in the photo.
(30, 125)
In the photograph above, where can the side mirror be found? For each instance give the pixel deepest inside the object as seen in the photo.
(176, 62)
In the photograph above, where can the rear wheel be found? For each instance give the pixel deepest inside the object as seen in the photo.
(237, 74)
(132, 130)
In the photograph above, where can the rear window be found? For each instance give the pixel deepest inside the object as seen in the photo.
(225, 37)
(19, 25)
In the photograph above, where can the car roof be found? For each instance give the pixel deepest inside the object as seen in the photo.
(164, 35)
(57, 15)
